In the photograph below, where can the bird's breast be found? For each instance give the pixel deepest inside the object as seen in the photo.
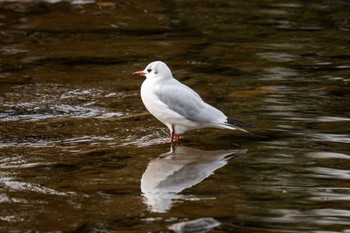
(150, 99)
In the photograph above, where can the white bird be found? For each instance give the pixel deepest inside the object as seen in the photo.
(179, 107)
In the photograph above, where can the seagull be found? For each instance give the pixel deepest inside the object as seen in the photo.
(178, 106)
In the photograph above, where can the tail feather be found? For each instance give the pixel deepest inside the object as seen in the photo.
(232, 124)
(238, 124)
(227, 126)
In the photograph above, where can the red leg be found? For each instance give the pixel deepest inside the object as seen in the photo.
(177, 139)
(174, 138)
(172, 135)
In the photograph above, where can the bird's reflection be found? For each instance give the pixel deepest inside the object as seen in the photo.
(174, 171)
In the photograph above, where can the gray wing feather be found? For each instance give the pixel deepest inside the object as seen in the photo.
(186, 102)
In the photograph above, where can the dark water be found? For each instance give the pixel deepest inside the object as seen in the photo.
(79, 153)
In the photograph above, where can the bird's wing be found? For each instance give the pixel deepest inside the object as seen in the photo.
(187, 103)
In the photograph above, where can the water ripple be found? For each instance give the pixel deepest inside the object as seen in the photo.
(38, 111)
(327, 155)
(344, 138)
(316, 216)
(278, 57)
(325, 172)
(330, 194)
(13, 185)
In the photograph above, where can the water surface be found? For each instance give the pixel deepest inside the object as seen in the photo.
(79, 152)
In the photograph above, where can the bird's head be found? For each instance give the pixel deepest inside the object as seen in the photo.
(155, 70)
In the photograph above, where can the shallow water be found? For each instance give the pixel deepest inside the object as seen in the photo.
(79, 152)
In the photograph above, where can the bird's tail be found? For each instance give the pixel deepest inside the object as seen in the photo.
(236, 124)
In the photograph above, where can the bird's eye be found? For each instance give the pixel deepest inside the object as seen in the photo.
(149, 70)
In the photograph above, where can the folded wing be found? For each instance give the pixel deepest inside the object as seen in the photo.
(187, 103)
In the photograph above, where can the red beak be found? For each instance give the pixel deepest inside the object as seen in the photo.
(139, 73)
